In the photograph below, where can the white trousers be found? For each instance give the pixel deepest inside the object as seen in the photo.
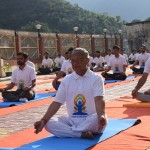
(64, 126)
(143, 97)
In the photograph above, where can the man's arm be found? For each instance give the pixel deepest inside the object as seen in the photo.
(31, 86)
(9, 87)
(100, 109)
(100, 105)
(108, 69)
(53, 108)
(140, 83)
(134, 64)
(59, 75)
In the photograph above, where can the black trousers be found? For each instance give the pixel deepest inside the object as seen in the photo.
(114, 76)
(138, 70)
(14, 96)
(44, 71)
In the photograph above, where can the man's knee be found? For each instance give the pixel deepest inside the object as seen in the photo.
(50, 126)
(143, 97)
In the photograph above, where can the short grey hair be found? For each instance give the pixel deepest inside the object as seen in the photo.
(82, 50)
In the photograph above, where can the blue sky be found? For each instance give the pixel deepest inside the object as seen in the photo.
(127, 9)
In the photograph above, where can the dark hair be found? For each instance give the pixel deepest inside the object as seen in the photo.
(22, 54)
(46, 53)
(70, 49)
(98, 52)
(116, 47)
(66, 52)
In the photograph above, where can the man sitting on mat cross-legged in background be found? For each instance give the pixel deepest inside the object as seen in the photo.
(118, 64)
(145, 97)
(83, 93)
(25, 78)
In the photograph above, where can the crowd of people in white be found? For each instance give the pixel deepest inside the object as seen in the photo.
(88, 87)
(97, 63)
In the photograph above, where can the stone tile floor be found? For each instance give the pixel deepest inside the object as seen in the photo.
(22, 120)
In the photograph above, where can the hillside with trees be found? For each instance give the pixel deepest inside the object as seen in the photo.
(54, 16)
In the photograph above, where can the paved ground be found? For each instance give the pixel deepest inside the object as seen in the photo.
(21, 120)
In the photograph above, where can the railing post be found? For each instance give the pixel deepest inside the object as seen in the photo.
(17, 42)
(41, 46)
(92, 44)
(58, 43)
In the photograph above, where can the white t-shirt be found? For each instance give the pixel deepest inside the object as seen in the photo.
(23, 78)
(90, 61)
(67, 67)
(47, 62)
(117, 64)
(79, 92)
(142, 58)
(107, 58)
(99, 61)
(31, 64)
(126, 56)
(147, 66)
(132, 57)
(59, 61)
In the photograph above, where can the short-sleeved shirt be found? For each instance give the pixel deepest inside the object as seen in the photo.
(126, 56)
(117, 63)
(31, 64)
(67, 67)
(47, 62)
(142, 58)
(78, 92)
(132, 57)
(23, 78)
(59, 61)
(90, 61)
(147, 66)
(99, 61)
(107, 58)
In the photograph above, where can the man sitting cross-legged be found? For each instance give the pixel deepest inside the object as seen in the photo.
(25, 78)
(142, 96)
(83, 93)
(118, 64)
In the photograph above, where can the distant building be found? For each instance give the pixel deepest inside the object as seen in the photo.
(138, 33)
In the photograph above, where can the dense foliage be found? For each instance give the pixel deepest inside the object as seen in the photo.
(55, 16)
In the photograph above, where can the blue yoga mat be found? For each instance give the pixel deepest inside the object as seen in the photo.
(112, 81)
(37, 97)
(114, 127)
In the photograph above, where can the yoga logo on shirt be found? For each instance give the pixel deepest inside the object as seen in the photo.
(69, 70)
(21, 84)
(143, 63)
(117, 68)
(79, 105)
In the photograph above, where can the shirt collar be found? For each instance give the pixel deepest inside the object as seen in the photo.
(23, 68)
(87, 74)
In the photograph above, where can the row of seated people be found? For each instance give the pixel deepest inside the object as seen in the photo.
(99, 63)
(82, 92)
(117, 63)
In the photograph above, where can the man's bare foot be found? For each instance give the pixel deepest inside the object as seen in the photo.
(87, 135)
